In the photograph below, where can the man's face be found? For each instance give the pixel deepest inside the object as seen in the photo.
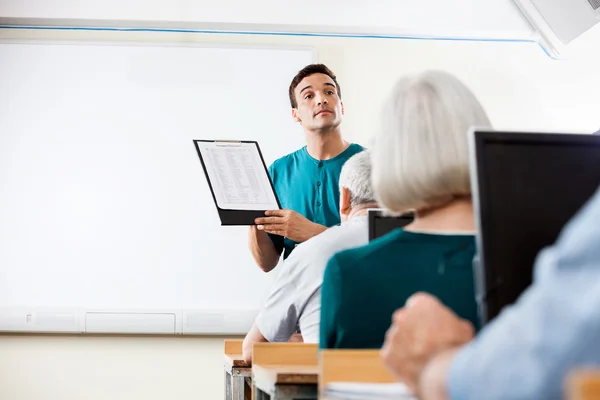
(319, 107)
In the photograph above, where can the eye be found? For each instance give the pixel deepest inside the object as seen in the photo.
(330, 92)
(308, 96)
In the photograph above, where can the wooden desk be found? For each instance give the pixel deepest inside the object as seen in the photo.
(583, 385)
(364, 366)
(236, 372)
(285, 371)
(280, 382)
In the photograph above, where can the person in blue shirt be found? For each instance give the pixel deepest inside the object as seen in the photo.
(524, 353)
(306, 181)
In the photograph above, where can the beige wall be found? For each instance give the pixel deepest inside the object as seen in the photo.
(519, 86)
(102, 368)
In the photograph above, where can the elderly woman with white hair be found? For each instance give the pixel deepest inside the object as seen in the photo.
(420, 164)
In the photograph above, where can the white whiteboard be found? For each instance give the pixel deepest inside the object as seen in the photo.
(104, 204)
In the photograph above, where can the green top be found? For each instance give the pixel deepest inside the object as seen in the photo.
(362, 287)
(310, 187)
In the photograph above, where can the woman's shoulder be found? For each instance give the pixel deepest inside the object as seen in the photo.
(396, 245)
(379, 249)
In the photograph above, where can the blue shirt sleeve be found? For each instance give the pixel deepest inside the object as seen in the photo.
(330, 304)
(529, 349)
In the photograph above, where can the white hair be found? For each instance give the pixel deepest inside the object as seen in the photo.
(356, 177)
(420, 156)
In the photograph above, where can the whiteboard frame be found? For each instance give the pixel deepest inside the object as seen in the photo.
(361, 32)
(73, 320)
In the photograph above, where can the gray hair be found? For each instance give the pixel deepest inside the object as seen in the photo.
(420, 156)
(356, 177)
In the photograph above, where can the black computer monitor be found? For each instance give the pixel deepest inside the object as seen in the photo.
(382, 223)
(526, 186)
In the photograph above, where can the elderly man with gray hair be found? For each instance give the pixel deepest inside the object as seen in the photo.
(295, 299)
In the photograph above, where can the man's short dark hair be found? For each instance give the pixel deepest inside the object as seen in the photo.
(308, 71)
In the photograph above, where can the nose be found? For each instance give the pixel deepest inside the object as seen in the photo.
(321, 99)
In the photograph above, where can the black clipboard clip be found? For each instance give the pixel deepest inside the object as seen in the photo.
(229, 143)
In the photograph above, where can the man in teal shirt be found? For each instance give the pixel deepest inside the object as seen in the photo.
(306, 181)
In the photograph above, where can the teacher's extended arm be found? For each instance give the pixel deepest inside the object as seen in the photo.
(264, 251)
(285, 223)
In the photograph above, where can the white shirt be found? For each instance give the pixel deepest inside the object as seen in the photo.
(295, 299)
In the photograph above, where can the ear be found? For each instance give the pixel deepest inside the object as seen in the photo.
(295, 115)
(345, 201)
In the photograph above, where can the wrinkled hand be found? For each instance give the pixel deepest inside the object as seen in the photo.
(420, 330)
(289, 224)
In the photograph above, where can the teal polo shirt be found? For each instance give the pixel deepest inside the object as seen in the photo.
(362, 287)
(310, 187)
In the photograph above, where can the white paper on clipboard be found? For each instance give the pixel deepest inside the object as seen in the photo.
(237, 175)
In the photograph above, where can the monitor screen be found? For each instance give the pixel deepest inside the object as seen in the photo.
(526, 186)
(381, 223)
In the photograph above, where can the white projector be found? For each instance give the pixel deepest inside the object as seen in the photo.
(561, 21)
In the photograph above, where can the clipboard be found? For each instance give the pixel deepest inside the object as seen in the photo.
(236, 216)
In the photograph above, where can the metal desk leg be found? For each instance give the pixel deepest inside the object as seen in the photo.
(260, 395)
(295, 392)
(237, 385)
(228, 385)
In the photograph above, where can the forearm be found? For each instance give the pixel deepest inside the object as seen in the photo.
(253, 336)
(312, 230)
(263, 250)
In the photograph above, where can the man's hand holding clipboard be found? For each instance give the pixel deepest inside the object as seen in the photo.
(289, 224)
